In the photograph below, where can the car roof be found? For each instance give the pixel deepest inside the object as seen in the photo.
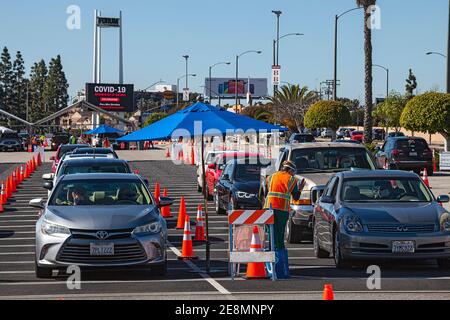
(312, 145)
(406, 138)
(100, 176)
(85, 149)
(377, 174)
(69, 156)
(87, 161)
(75, 145)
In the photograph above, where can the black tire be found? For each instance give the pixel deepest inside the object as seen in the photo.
(318, 251)
(219, 210)
(430, 171)
(43, 273)
(199, 188)
(295, 234)
(339, 261)
(443, 263)
(159, 270)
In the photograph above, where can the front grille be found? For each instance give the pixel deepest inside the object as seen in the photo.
(125, 252)
(92, 234)
(402, 229)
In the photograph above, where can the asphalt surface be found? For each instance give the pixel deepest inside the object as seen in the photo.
(187, 280)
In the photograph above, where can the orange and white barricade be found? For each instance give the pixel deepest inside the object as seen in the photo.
(241, 224)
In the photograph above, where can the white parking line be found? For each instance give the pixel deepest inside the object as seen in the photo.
(210, 280)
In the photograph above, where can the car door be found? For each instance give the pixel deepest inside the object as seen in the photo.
(226, 185)
(328, 214)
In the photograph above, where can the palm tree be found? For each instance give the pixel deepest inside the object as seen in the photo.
(368, 121)
(292, 102)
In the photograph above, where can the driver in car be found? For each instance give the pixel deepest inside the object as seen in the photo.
(79, 197)
(127, 194)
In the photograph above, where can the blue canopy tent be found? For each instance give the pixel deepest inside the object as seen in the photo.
(103, 129)
(200, 120)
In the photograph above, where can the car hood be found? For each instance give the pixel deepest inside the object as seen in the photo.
(101, 217)
(249, 187)
(315, 179)
(400, 213)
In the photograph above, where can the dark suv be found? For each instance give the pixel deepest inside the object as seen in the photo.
(406, 153)
(59, 139)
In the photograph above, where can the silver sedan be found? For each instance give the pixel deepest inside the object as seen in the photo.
(100, 220)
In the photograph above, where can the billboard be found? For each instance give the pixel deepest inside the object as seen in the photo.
(111, 97)
(226, 87)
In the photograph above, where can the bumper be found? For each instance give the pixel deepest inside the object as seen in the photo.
(405, 165)
(433, 246)
(248, 204)
(129, 252)
(302, 215)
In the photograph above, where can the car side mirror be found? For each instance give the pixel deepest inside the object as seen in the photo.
(147, 183)
(37, 203)
(443, 199)
(48, 176)
(52, 158)
(165, 202)
(48, 185)
(327, 199)
(211, 166)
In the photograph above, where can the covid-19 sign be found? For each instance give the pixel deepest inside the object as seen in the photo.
(111, 97)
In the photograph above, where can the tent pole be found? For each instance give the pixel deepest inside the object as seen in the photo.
(205, 205)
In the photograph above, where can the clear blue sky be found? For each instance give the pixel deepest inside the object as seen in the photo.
(158, 33)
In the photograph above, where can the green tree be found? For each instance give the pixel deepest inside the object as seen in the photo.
(327, 114)
(368, 121)
(6, 81)
(38, 78)
(55, 89)
(291, 102)
(260, 112)
(429, 112)
(19, 87)
(154, 117)
(389, 112)
(411, 84)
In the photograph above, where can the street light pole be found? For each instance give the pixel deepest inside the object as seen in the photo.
(210, 78)
(178, 85)
(278, 14)
(336, 20)
(448, 52)
(237, 75)
(387, 80)
(186, 57)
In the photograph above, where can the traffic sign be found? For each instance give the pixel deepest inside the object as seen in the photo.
(186, 94)
(276, 75)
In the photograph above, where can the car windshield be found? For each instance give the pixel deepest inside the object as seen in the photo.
(406, 145)
(385, 190)
(92, 151)
(331, 159)
(64, 149)
(100, 193)
(95, 168)
(247, 172)
(223, 160)
(303, 138)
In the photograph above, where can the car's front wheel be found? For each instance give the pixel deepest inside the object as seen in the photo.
(43, 273)
(318, 251)
(295, 233)
(199, 187)
(339, 260)
(219, 210)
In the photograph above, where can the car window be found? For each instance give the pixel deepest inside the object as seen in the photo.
(247, 172)
(94, 192)
(105, 168)
(406, 145)
(331, 159)
(385, 190)
(228, 170)
(330, 186)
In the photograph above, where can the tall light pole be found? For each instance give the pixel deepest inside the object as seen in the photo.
(210, 78)
(387, 77)
(178, 85)
(276, 51)
(336, 20)
(237, 75)
(278, 13)
(186, 57)
(448, 63)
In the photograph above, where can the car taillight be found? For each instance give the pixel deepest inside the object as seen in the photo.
(395, 152)
(302, 202)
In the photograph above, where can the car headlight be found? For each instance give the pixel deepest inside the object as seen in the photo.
(445, 223)
(245, 195)
(154, 227)
(53, 229)
(353, 223)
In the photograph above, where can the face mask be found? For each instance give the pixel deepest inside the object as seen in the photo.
(384, 193)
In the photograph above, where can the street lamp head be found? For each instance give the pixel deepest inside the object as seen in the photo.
(258, 52)
(277, 12)
(186, 56)
(429, 53)
(227, 63)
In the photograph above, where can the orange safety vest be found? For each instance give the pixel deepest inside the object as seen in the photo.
(281, 184)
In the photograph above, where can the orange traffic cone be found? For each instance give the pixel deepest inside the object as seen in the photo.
(192, 156)
(165, 211)
(14, 181)
(200, 227)
(256, 270)
(2, 193)
(157, 193)
(328, 292)
(167, 153)
(22, 177)
(39, 161)
(181, 214)
(8, 188)
(30, 147)
(187, 251)
(33, 164)
(425, 178)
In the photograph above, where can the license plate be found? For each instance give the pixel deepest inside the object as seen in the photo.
(413, 154)
(403, 247)
(102, 249)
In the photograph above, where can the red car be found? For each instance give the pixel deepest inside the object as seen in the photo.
(357, 136)
(214, 170)
(62, 150)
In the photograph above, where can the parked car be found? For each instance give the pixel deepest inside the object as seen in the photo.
(62, 150)
(395, 134)
(406, 153)
(210, 158)
(380, 215)
(357, 136)
(343, 133)
(11, 145)
(301, 138)
(316, 163)
(95, 151)
(238, 187)
(59, 139)
(100, 221)
(326, 133)
(214, 170)
(379, 134)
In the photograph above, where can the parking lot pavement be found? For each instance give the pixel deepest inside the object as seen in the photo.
(185, 280)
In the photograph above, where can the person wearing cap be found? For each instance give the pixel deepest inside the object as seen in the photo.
(282, 186)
